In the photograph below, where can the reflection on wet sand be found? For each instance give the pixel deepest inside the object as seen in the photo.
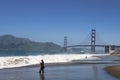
(42, 76)
(95, 72)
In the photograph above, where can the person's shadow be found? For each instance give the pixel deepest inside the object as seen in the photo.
(42, 76)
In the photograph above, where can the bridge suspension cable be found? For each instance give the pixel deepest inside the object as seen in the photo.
(93, 44)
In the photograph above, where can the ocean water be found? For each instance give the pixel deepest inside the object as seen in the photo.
(11, 59)
(24, 53)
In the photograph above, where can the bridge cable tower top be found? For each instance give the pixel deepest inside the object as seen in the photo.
(93, 40)
(65, 43)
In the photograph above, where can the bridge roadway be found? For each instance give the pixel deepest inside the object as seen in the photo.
(117, 46)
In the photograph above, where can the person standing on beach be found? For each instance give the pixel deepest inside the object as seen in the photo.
(42, 66)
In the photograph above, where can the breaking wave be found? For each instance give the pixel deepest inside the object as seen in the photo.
(19, 61)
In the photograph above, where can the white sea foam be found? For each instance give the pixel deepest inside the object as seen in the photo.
(18, 61)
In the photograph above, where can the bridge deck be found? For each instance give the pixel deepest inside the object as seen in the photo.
(95, 46)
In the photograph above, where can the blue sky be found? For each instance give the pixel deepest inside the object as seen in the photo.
(51, 20)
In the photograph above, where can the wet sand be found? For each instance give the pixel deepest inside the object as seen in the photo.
(58, 72)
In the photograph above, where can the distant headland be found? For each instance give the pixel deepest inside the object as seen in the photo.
(12, 43)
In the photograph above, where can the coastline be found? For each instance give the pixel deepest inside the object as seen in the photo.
(113, 70)
(107, 60)
(93, 67)
(76, 62)
(93, 59)
(20, 61)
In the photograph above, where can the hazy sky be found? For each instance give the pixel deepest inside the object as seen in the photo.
(51, 20)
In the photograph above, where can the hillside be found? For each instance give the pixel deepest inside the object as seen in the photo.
(10, 42)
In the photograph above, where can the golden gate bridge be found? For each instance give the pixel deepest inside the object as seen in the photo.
(93, 45)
